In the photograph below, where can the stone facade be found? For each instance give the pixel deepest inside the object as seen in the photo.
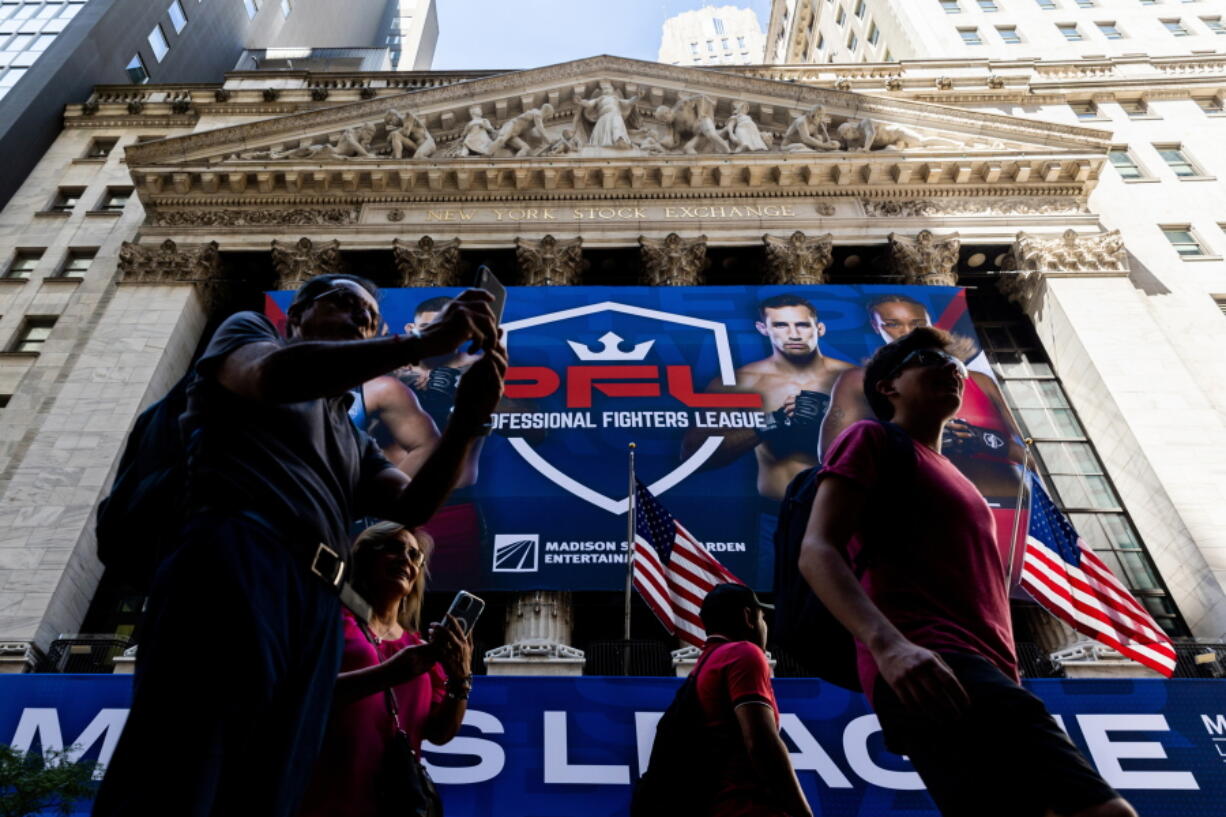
(967, 191)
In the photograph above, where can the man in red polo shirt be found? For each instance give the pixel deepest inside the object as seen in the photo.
(930, 607)
(733, 685)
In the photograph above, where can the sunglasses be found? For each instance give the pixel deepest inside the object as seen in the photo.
(412, 555)
(926, 358)
(349, 300)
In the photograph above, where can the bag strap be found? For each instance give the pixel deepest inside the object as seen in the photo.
(389, 700)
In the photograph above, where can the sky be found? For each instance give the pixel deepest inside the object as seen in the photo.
(475, 34)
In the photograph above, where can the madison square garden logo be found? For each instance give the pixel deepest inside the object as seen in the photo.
(516, 553)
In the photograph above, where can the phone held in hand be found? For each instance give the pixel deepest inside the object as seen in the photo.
(487, 281)
(467, 609)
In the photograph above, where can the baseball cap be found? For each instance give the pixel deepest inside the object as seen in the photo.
(725, 599)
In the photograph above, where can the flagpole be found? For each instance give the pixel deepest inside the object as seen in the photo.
(630, 511)
(1022, 485)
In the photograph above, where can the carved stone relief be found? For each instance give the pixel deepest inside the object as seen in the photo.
(608, 121)
(673, 260)
(254, 218)
(923, 208)
(168, 264)
(550, 262)
(926, 259)
(1070, 252)
(297, 262)
(428, 263)
(798, 259)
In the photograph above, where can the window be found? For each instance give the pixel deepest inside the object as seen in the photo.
(711, 45)
(77, 262)
(840, 16)
(286, 8)
(694, 49)
(1177, 160)
(115, 199)
(852, 41)
(252, 7)
(100, 148)
(23, 264)
(1176, 27)
(157, 41)
(136, 70)
(1046, 5)
(1183, 241)
(1111, 31)
(1086, 4)
(874, 34)
(860, 9)
(1214, 24)
(1085, 110)
(1065, 456)
(951, 6)
(66, 199)
(34, 334)
(1070, 32)
(1009, 34)
(177, 18)
(988, 6)
(1124, 164)
(970, 36)
(724, 44)
(740, 42)
(1136, 109)
(719, 25)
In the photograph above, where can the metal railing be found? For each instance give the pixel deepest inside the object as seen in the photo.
(634, 657)
(85, 652)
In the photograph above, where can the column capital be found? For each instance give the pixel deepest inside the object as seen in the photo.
(550, 261)
(428, 263)
(167, 263)
(673, 260)
(926, 259)
(296, 263)
(798, 259)
(1069, 255)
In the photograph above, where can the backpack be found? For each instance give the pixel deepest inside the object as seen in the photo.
(806, 630)
(685, 756)
(139, 521)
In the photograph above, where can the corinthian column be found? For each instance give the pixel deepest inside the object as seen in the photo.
(674, 261)
(296, 263)
(428, 263)
(926, 259)
(798, 259)
(540, 623)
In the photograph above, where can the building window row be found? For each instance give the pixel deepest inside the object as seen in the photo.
(74, 264)
(1175, 157)
(1188, 243)
(114, 200)
(1087, 110)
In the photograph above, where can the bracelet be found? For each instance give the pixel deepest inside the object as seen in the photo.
(465, 684)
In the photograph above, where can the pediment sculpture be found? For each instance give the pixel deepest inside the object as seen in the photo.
(610, 122)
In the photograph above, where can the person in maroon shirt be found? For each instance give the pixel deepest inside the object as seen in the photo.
(930, 607)
(733, 686)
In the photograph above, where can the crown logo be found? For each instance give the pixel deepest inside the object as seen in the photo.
(609, 343)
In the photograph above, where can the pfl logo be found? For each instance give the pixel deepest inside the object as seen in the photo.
(993, 441)
(516, 552)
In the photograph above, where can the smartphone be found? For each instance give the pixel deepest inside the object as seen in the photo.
(487, 281)
(467, 609)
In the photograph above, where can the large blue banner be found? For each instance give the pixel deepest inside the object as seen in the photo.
(558, 747)
(724, 391)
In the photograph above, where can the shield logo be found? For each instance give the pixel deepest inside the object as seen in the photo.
(582, 347)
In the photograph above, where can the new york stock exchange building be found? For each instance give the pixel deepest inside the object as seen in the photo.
(645, 217)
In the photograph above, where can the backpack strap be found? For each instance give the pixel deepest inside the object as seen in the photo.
(897, 505)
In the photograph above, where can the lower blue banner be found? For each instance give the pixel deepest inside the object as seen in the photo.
(559, 747)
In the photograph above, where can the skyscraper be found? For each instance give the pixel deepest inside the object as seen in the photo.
(53, 51)
(726, 35)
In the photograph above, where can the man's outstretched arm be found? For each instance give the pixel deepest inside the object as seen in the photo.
(308, 370)
(918, 676)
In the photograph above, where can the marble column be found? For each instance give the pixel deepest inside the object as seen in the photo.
(1118, 367)
(798, 259)
(540, 623)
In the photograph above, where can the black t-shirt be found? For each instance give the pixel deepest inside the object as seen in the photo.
(303, 466)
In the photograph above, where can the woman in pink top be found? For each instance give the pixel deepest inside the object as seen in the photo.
(429, 679)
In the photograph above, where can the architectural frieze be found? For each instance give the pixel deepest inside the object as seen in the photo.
(1068, 255)
(168, 263)
(927, 208)
(253, 217)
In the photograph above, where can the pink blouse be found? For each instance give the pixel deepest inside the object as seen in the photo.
(352, 752)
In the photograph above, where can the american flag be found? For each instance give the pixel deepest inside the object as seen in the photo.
(1062, 573)
(673, 571)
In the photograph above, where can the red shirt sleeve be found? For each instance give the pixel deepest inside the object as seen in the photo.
(747, 675)
(856, 454)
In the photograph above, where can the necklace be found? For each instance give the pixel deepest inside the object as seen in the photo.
(385, 636)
